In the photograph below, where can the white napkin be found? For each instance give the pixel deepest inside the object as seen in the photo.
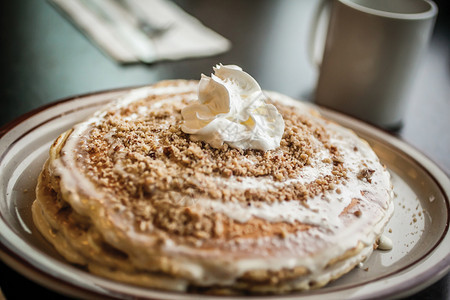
(113, 25)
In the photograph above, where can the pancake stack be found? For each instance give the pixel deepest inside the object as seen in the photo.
(131, 197)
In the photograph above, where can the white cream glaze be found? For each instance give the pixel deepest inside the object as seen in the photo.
(385, 243)
(332, 237)
(232, 108)
(73, 249)
(320, 211)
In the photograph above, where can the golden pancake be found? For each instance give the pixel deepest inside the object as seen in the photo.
(132, 197)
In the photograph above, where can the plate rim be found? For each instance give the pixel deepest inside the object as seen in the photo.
(437, 271)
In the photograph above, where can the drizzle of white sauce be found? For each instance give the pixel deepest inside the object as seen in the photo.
(331, 236)
(385, 243)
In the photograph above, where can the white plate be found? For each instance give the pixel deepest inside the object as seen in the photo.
(419, 228)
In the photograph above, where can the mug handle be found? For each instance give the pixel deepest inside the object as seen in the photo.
(313, 52)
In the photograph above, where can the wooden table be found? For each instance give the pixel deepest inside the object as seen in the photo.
(45, 58)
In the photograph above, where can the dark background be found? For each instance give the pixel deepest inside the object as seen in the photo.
(43, 58)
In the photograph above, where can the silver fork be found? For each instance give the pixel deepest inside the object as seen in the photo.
(151, 29)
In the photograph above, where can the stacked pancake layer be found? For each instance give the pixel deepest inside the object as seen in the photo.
(131, 197)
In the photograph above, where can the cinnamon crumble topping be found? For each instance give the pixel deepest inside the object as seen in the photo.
(154, 169)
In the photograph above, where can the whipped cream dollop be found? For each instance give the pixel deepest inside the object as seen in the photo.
(231, 108)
